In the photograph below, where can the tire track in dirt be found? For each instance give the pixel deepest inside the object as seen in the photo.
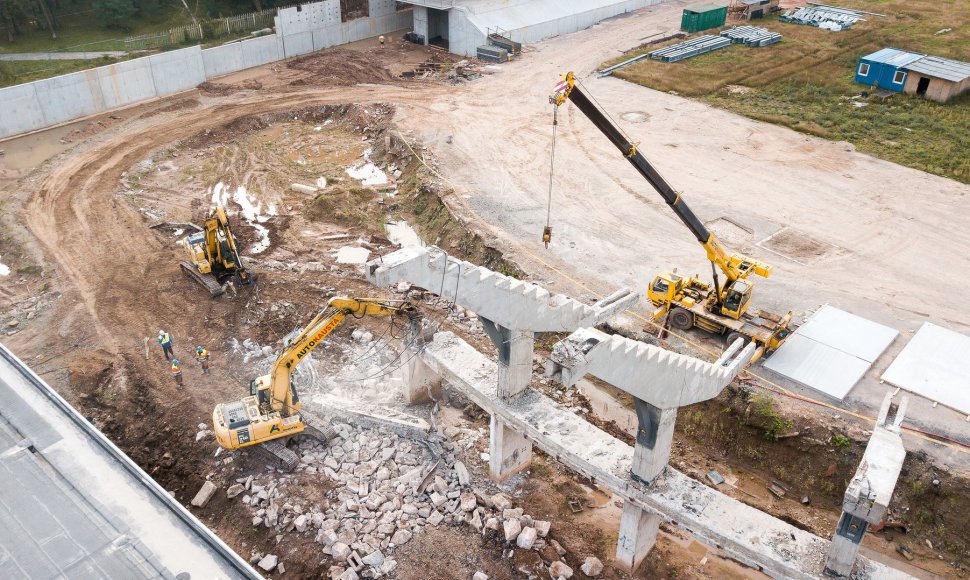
(107, 259)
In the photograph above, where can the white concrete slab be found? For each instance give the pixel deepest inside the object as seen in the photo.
(817, 366)
(831, 351)
(849, 333)
(936, 365)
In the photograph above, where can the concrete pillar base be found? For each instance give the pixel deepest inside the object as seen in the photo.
(638, 534)
(655, 435)
(509, 451)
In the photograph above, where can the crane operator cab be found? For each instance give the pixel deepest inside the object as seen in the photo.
(737, 296)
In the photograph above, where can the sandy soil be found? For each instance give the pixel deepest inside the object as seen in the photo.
(101, 281)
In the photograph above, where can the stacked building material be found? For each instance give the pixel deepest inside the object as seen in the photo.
(693, 47)
(493, 53)
(827, 17)
(751, 36)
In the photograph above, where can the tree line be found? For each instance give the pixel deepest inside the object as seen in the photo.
(18, 17)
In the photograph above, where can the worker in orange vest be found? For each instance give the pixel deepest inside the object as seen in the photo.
(177, 372)
(202, 355)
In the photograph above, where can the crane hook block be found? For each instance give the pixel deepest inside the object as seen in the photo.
(547, 235)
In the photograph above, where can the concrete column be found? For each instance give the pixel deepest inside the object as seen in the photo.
(509, 451)
(515, 374)
(655, 435)
(638, 534)
(420, 15)
(419, 380)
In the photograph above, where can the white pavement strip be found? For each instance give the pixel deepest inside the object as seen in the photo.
(936, 365)
(832, 351)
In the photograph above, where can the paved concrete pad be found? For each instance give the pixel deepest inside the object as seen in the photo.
(936, 365)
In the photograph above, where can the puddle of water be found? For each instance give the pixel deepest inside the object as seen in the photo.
(4, 269)
(401, 232)
(251, 212)
(367, 173)
(352, 255)
(30, 151)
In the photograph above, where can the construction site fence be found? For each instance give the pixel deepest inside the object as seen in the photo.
(53, 101)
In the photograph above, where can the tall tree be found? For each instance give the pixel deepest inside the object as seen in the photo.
(45, 12)
(13, 16)
(115, 13)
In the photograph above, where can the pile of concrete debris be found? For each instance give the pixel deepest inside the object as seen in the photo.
(388, 488)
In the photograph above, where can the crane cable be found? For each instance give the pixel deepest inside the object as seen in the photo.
(547, 231)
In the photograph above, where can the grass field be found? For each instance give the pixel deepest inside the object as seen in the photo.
(806, 83)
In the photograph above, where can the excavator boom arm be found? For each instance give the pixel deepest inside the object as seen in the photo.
(284, 396)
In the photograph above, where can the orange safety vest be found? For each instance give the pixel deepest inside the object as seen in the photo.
(176, 370)
(203, 356)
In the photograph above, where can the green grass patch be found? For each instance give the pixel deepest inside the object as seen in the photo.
(806, 82)
(24, 71)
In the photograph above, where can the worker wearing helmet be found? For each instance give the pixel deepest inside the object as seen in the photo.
(165, 339)
(202, 355)
(177, 372)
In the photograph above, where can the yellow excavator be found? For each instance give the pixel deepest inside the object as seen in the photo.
(687, 301)
(213, 255)
(270, 415)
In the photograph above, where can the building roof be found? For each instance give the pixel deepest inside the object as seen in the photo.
(705, 7)
(72, 505)
(941, 68)
(893, 56)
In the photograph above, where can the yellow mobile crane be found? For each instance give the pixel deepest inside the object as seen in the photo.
(271, 412)
(213, 256)
(689, 302)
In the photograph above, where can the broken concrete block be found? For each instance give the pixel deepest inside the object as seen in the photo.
(501, 502)
(512, 529)
(401, 537)
(480, 576)
(592, 566)
(560, 570)
(437, 499)
(340, 551)
(558, 547)
(300, 188)
(526, 539)
(388, 566)
(268, 562)
(326, 537)
(300, 523)
(235, 490)
(542, 527)
(205, 494)
(374, 559)
(510, 514)
(464, 478)
(349, 574)
(435, 518)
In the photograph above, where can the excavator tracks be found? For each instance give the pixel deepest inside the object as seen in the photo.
(206, 280)
(278, 449)
(322, 435)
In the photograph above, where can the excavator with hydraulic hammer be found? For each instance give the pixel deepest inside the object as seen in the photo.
(271, 414)
(686, 301)
(213, 256)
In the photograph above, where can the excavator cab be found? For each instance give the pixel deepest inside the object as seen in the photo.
(737, 297)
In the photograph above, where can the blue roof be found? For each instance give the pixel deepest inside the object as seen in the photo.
(893, 57)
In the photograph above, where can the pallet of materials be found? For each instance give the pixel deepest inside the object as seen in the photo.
(690, 48)
(751, 36)
(826, 17)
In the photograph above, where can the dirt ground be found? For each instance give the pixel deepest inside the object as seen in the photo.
(91, 283)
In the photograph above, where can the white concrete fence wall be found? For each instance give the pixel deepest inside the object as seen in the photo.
(56, 100)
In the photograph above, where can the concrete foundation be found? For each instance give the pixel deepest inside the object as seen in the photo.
(638, 534)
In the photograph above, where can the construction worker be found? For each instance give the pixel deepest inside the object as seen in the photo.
(202, 355)
(165, 340)
(177, 372)
(381, 38)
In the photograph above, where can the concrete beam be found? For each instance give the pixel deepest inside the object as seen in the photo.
(502, 299)
(745, 533)
(871, 489)
(664, 379)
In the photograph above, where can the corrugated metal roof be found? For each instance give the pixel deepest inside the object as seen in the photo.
(941, 68)
(893, 56)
